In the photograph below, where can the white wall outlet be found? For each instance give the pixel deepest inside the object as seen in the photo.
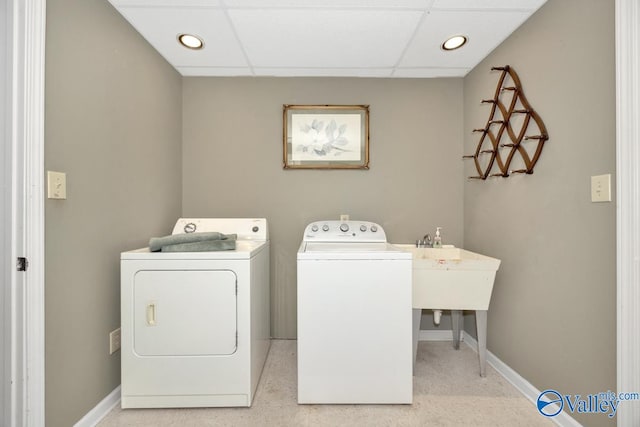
(114, 341)
(344, 217)
(601, 188)
(56, 185)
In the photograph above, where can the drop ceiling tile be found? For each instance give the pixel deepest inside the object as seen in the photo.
(428, 72)
(329, 4)
(161, 26)
(489, 4)
(480, 27)
(324, 72)
(315, 39)
(166, 3)
(215, 71)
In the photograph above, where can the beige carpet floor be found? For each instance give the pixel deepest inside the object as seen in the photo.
(447, 388)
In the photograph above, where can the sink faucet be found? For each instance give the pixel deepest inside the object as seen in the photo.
(426, 242)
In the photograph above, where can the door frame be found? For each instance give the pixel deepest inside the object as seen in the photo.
(628, 205)
(6, 267)
(23, 202)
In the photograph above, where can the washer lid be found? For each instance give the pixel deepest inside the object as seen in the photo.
(351, 251)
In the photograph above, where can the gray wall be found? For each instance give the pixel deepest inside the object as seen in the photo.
(553, 311)
(232, 163)
(113, 123)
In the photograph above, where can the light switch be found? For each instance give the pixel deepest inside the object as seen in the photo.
(601, 188)
(56, 185)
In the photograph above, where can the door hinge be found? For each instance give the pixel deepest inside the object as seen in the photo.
(22, 264)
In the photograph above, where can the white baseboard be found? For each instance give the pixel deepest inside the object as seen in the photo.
(436, 335)
(101, 410)
(522, 385)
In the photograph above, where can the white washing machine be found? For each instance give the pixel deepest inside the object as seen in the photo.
(196, 325)
(354, 316)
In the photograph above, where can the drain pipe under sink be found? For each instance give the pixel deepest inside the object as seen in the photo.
(437, 314)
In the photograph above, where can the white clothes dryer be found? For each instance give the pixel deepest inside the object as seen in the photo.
(354, 316)
(196, 325)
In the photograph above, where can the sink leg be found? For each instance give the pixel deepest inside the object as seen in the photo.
(417, 316)
(455, 327)
(481, 324)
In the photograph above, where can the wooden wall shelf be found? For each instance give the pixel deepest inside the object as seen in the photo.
(513, 137)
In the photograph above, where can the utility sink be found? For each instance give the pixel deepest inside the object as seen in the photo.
(455, 279)
(451, 278)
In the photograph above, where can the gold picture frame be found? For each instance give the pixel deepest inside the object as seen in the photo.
(326, 137)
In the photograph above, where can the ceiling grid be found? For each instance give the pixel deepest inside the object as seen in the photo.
(342, 38)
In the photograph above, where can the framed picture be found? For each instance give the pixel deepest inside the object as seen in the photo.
(326, 136)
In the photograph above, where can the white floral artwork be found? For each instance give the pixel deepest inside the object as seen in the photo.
(326, 137)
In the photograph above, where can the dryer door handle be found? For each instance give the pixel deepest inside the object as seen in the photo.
(151, 314)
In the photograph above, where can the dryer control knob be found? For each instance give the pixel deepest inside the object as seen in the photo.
(344, 227)
(190, 228)
(325, 227)
(374, 228)
(314, 228)
(363, 228)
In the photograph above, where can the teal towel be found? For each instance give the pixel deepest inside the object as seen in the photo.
(203, 246)
(157, 243)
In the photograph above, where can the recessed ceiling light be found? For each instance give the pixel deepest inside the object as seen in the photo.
(190, 41)
(454, 42)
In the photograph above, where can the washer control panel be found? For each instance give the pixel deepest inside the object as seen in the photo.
(344, 231)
